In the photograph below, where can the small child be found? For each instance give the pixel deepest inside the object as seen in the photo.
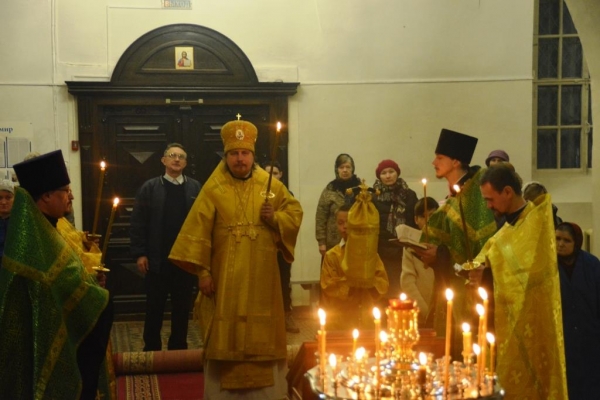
(417, 279)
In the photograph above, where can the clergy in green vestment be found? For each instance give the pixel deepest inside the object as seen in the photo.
(54, 317)
(230, 240)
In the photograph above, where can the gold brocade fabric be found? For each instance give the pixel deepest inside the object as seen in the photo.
(349, 307)
(90, 255)
(224, 236)
(528, 312)
(48, 304)
(88, 251)
(361, 259)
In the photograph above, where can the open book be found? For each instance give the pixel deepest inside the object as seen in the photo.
(409, 236)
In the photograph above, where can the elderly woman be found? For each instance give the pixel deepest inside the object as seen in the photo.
(333, 197)
(579, 273)
(396, 204)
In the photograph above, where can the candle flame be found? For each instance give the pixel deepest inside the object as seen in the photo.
(490, 337)
(322, 316)
(332, 360)
(479, 309)
(476, 349)
(355, 334)
(376, 313)
(456, 188)
(449, 294)
(116, 202)
(423, 358)
(278, 126)
(383, 336)
(482, 293)
(424, 181)
(466, 327)
(102, 165)
(360, 353)
(403, 296)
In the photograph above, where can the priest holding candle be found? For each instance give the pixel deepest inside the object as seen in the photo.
(230, 241)
(452, 236)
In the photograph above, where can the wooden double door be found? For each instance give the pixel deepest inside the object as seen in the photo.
(132, 140)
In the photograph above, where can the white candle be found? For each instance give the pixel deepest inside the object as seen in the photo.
(449, 297)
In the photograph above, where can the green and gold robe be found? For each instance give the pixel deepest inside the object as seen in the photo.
(48, 305)
(528, 315)
(223, 236)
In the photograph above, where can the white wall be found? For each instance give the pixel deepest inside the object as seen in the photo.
(379, 78)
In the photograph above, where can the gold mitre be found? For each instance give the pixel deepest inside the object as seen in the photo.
(239, 135)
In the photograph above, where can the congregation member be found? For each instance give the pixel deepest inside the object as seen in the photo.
(230, 241)
(579, 273)
(495, 157)
(447, 239)
(333, 197)
(161, 205)
(526, 289)
(7, 198)
(285, 268)
(395, 202)
(54, 317)
(418, 279)
(533, 190)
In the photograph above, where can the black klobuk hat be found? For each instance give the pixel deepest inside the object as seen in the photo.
(456, 145)
(43, 174)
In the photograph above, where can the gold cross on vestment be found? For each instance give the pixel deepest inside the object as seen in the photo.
(240, 231)
(239, 116)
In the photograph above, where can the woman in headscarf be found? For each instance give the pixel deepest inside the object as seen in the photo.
(579, 273)
(333, 197)
(396, 204)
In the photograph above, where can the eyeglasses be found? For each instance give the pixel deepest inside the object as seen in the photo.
(176, 155)
(67, 191)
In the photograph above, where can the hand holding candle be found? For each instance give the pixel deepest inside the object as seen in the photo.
(98, 196)
(273, 158)
(109, 228)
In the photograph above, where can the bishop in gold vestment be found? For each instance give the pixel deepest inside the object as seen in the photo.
(230, 241)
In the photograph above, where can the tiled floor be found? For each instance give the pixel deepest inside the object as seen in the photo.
(128, 335)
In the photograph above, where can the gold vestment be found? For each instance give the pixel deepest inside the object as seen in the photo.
(528, 312)
(223, 236)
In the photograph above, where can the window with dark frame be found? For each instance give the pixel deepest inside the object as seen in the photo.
(562, 101)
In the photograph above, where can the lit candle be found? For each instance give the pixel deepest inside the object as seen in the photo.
(99, 196)
(492, 341)
(273, 158)
(333, 365)
(354, 339)
(467, 341)
(477, 351)
(377, 317)
(486, 305)
(464, 223)
(481, 338)
(108, 229)
(425, 207)
(449, 297)
(422, 373)
(322, 335)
